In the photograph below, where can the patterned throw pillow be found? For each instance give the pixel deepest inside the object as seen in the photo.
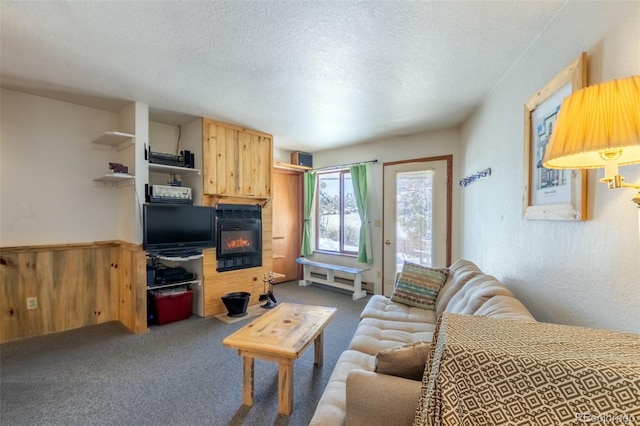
(406, 361)
(419, 285)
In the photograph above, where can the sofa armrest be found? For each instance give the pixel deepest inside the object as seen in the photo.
(380, 399)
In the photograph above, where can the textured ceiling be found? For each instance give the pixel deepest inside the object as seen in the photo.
(315, 74)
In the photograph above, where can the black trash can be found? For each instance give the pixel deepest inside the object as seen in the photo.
(236, 303)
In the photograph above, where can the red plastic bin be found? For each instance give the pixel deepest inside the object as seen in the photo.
(172, 307)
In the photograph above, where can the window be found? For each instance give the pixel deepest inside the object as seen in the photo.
(414, 217)
(338, 222)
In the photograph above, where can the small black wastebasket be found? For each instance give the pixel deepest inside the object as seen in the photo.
(236, 303)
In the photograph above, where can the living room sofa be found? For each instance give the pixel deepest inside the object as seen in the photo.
(358, 395)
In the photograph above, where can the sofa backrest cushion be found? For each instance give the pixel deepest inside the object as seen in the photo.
(475, 293)
(460, 272)
(505, 307)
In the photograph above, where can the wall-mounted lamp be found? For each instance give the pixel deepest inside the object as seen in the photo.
(599, 126)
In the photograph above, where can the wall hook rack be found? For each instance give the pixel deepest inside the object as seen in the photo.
(468, 180)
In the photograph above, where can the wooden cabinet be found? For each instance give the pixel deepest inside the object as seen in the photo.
(239, 161)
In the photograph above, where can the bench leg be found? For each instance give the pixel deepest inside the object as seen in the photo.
(331, 277)
(307, 276)
(358, 293)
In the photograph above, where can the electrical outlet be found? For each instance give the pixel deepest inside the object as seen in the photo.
(32, 303)
(379, 273)
(377, 223)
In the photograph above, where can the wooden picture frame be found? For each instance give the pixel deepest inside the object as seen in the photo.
(552, 194)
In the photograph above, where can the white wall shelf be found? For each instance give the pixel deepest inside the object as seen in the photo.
(118, 140)
(119, 179)
(183, 171)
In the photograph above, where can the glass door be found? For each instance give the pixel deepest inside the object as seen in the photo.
(415, 216)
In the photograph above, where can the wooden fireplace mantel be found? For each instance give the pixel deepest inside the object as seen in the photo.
(214, 200)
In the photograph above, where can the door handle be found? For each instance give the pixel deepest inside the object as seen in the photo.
(388, 242)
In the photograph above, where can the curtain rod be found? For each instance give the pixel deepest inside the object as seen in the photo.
(342, 166)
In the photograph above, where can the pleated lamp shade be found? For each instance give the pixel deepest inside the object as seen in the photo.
(597, 122)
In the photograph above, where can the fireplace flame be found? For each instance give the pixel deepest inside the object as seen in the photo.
(237, 243)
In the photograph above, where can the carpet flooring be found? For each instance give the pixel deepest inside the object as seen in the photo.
(175, 374)
(253, 312)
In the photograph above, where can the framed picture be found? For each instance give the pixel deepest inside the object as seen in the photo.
(551, 194)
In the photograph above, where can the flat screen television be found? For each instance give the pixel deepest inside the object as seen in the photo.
(169, 227)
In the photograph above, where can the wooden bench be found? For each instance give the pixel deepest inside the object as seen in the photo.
(358, 292)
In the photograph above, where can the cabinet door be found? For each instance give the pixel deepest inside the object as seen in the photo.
(220, 160)
(261, 165)
(209, 157)
(236, 162)
(255, 159)
(229, 161)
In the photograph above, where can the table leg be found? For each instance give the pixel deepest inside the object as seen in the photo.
(285, 387)
(317, 350)
(247, 385)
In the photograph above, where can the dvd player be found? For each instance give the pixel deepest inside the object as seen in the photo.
(174, 278)
(166, 159)
(184, 159)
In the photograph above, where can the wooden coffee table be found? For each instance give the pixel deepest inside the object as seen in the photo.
(280, 335)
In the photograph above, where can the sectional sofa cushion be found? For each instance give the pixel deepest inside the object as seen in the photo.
(406, 361)
(504, 307)
(460, 272)
(419, 285)
(375, 335)
(475, 293)
(381, 307)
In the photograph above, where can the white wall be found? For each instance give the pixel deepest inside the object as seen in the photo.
(47, 167)
(134, 119)
(424, 145)
(578, 273)
(281, 155)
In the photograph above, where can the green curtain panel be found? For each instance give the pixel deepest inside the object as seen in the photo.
(359, 179)
(309, 198)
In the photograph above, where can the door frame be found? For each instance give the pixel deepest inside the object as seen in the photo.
(449, 219)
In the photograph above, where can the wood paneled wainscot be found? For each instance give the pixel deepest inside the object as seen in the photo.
(75, 285)
(239, 161)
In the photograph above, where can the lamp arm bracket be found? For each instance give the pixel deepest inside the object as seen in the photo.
(617, 181)
(630, 185)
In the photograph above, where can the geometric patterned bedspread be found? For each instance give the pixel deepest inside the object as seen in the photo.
(484, 371)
